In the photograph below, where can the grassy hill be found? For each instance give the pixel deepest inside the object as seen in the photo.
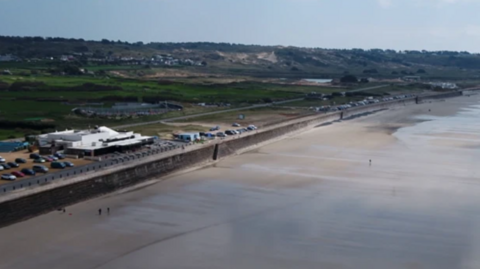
(246, 60)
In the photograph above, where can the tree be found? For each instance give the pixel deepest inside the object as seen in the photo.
(349, 79)
(370, 71)
(421, 71)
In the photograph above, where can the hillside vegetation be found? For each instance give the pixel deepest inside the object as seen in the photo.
(246, 60)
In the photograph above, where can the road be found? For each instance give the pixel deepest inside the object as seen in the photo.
(205, 114)
(369, 88)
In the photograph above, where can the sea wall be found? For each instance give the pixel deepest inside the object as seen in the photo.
(26, 206)
(43, 202)
(439, 96)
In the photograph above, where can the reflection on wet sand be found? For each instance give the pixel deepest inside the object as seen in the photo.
(310, 201)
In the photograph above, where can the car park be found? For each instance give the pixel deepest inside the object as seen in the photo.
(40, 169)
(8, 177)
(39, 160)
(18, 174)
(5, 166)
(35, 156)
(28, 172)
(68, 164)
(12, 164)
(20, 160)
(57, 165)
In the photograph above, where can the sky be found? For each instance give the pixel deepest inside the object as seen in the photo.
(385, 24)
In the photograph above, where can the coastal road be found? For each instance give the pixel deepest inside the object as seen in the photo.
(205, 114)
(369, 88)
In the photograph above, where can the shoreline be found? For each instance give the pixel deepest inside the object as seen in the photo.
(107, 182)
(307, 196)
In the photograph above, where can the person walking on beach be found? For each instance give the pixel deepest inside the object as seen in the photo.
(108, 210)
(370, 162)
(99, 211)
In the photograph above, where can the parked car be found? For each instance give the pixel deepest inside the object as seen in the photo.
(253, 126)
(235, 125)
(57, 165)
(209, 135)
(215, 128)
(8, 177)
(20, 160)
(35, 156)
(12, 164)
(48, 159)
(240, 131)
(39, 160)
(60, 156)
(53, 157)
(2, 160)
(28, 172)
(250, 128)
(231, 132)
(18, 174)
(68, 164)
(221, 134)
(40, 169)
(1, 168)
(5, 166)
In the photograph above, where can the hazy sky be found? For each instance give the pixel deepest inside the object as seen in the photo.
(395, 24)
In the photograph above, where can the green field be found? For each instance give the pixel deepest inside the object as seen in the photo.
(47, 96)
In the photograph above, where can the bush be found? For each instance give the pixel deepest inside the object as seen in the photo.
(349, 79)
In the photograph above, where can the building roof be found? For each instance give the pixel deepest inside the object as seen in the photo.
(99, 145)
(189, 134)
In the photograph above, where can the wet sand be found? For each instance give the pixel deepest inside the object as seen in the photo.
(309, 201)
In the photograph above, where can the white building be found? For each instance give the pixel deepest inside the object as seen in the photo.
(444, 85)
(99, 141)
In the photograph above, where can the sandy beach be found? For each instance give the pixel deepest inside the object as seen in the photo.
(308, 201)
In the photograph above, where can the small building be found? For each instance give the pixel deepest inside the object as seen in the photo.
(189, 136)
(444, 85)
(412, 78)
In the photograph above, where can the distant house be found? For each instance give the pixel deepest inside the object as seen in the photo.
(412, 78)
(67, 58)
(6, 72)
(444, 85)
